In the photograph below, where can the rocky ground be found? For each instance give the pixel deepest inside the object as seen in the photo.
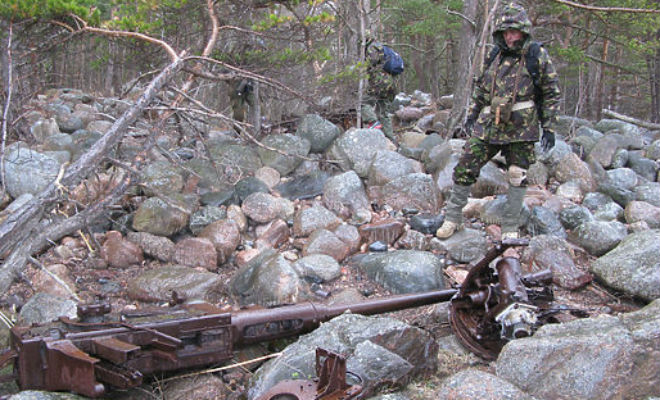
(328, 215)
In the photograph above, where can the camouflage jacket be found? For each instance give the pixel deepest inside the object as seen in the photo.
(504, 73)
(381, 85)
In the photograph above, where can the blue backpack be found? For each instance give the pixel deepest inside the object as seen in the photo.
(393, 63)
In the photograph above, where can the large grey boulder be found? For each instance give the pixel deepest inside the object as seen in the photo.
(45, 307)
(58, 142)
(312, 218)
(83, 140)
(234, 157)
(264, 207)
(642, 211)
(648, 192)
(605, 357)
(492, 180)
(544, 221)
(345, 195)
(319, 132)
(625, 128)
(605, 149)
(555, 254)
(493, 212)
(571, 167)
(404, 271)
(158, 247)
(644, 167)
(652, 151)
(286, 154)
(598, 237)
(44, 128)
(414, 190)
(190, 284)
(388, 165)
(623, 177)
(356, 148)
(318, 268)
(378, 349)
(609, 212)
(162, 217)
(66, 119)
(28, 171)
(201, 218)
(322, 241)
(571, 217)
(633, 266)
(465, 246)
(211, 176)
(474, 384)
(269, 280)
(567, 125)
(161, 177)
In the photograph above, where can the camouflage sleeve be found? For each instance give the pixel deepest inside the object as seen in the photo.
(549, 90)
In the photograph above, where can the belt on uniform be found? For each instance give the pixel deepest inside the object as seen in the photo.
(518, 106)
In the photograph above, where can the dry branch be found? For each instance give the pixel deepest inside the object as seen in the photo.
(24, 233)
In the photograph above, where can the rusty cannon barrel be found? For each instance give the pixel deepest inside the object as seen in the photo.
(253, 326)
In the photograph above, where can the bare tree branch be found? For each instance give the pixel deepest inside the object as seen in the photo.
(463, 17)
(256, 77)
(83, 27)
(21, 233)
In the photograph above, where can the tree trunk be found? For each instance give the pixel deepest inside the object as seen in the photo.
(599, 80)
(614, 92)
(463, 85)
(364, 23)
(654, 77)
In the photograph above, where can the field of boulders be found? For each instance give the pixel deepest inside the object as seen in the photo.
(330, 215)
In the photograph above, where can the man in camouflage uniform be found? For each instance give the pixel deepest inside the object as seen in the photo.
(380, 93)
(241, 97)
(504, 116)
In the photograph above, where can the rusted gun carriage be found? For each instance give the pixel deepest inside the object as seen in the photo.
(89, 358)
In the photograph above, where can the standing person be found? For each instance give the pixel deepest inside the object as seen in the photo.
(517, 89)
(381, 90)
(241, 97)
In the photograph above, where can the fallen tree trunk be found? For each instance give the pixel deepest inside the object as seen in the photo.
(24, 232)
(635, 121)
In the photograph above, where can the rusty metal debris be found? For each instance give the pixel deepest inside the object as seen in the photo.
(496, 305)
(99, 352)
(330, 385)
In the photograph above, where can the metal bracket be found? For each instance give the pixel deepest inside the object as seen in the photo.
(330, 385)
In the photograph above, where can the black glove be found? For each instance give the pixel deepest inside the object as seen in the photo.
(547, 140)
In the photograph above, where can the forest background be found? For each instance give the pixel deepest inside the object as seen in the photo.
(305, 54)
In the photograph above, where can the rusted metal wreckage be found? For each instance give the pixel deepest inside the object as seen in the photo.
(92, 355)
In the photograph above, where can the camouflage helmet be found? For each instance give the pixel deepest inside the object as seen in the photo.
(513, 16)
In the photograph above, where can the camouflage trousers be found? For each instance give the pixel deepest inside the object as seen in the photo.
(477, 153)
(379, 110)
